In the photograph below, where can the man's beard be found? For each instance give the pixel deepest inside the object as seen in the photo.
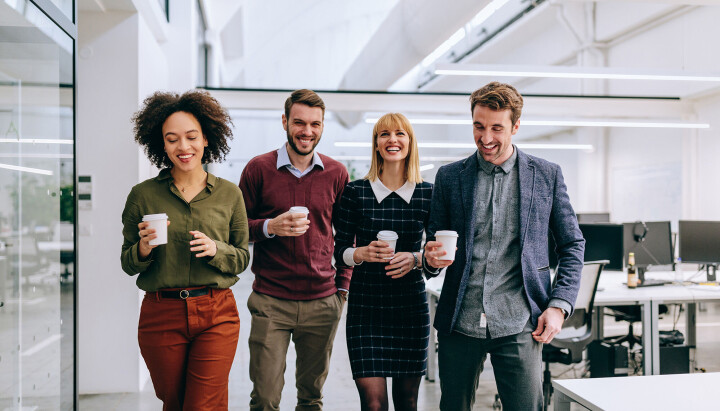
(291, 142)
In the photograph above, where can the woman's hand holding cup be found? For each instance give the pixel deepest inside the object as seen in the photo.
(375, 252)
(146, 234)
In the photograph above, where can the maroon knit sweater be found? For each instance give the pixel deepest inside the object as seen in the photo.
(294, 268)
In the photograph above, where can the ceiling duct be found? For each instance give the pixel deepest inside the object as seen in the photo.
(412, 30)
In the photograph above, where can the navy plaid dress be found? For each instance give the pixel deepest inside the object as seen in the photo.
(388, 323)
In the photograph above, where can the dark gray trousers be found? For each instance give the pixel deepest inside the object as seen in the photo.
(516, 361)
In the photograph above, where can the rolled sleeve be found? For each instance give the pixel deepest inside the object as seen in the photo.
(348, 257)
(265, 229)
(562, 304)
(131, 262)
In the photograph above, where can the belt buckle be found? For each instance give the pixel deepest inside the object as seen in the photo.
(184, 294)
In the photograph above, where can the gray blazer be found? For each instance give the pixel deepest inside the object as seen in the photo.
(544, 205)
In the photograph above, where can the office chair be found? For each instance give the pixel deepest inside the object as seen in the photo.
(631, 314)
(568, 345)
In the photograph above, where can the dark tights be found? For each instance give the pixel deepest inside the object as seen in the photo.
(374, 396)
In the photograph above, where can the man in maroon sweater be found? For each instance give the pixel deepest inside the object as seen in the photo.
(297, 292)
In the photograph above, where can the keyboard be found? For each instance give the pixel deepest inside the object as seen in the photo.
(653, 282)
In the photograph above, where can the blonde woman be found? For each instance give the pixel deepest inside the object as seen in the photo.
(387, 321)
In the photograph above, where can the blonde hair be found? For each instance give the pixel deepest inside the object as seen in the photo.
(394, 121)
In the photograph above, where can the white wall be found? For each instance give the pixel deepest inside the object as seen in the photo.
(107, 300)
(701, 152)
(121, 63)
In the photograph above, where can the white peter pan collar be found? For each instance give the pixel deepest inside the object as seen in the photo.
(405, 192)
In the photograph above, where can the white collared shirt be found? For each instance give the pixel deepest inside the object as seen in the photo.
(381, 192)
(283, 160)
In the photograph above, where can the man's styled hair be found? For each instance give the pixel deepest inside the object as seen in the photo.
(498, 96)
(304, 96)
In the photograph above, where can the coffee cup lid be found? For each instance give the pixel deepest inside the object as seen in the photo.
(299, 209)
(446, 233)
(153, 217)
(387, 235)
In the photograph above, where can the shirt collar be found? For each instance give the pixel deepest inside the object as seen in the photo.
(506, 166)
(283, 159)
(381, 192)
(165, 175)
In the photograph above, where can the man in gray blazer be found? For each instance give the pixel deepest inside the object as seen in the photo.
(497, 298)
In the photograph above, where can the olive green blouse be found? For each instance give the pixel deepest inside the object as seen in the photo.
(218, 211)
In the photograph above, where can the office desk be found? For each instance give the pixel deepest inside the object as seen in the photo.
(612, 292)
(696, 392)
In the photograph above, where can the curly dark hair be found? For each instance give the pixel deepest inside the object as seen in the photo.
(213, 118)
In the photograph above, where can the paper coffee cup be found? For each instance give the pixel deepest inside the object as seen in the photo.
(300, 209)
(389, 237)
(449, 241)
(159, 223)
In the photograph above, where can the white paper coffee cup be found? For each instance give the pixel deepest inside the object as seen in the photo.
(300, 209)
(159, 223)
(448, 239)
(389, 237)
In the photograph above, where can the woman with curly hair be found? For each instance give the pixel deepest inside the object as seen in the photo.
(189, 325)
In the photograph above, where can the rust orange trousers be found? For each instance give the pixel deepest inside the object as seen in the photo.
(189, 346)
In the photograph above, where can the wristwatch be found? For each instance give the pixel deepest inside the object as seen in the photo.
(416, 266)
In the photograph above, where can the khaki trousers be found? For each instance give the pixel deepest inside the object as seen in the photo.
(312, 325)
(189, 346)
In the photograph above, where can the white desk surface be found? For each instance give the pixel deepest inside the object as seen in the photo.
(612, 291)
(690, 392)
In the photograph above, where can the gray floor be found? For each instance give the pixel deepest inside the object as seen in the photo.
(340, 392)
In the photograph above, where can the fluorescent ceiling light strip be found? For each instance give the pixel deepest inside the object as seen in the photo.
(26, 155)
(550, 146)
(440, 144)
(352, 144)
(425, 158)
(569, 72)
(427, 167)
(449, 121)
(35, 141)
(27, 169)
(562, 123)
(604, 123)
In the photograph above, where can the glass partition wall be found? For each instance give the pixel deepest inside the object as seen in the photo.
(37, 213)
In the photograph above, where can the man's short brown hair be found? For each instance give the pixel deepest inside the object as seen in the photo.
(498, 96)
(304, 96)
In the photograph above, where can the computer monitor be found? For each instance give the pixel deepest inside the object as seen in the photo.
(602, 242)
(585, 218)
(651, 241)
(700, 243)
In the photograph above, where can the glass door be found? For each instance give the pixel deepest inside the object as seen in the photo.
(36, 211)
